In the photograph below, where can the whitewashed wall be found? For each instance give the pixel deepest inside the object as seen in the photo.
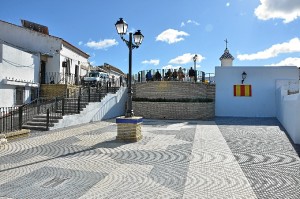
(263, 81)
(17, 69)
(288, 109)
(67, 53)
(29, 39)
(51, 46)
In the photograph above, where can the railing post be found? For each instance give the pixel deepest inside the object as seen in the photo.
(56, 105)
(38, 106)
(63, 107)
(89, 94)
(107, 87)
(20, 117)
(11, 118)
(78, 107)
(99, 95)
(1, 120)
(48, 119)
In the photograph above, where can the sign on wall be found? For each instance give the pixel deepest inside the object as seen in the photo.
(242, 90)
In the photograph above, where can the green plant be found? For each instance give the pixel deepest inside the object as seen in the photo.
(184, 100)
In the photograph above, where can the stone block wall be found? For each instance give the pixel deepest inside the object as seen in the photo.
(173, 90)
(56, 90)
(52, 90)
(174, 110)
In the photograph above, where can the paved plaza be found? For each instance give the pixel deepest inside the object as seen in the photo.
(224, 158)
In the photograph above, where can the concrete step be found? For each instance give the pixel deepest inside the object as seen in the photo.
(73, 106)
(44, 120)
(37, 128)
(45, 116)
(68, 111)
(32, 123)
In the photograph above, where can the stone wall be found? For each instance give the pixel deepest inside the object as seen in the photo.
(174, 110)
(173, 90)
(57, 90)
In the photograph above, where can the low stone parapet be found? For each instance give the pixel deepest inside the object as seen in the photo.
(175, 110)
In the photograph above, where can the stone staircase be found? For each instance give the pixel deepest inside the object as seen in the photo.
(70, 107)
(39, 122)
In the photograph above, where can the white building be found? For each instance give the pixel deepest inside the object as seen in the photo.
(116, 76)
(261, 91)
(61, 62)
(262, 80)
(226, 59)
(18, 76)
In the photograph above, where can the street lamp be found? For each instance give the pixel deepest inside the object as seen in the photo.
(122, 27)
(244, 75)
(195, 59)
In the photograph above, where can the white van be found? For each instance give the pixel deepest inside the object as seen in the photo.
(95, 78)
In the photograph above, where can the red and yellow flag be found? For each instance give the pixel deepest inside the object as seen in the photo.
(242, 90)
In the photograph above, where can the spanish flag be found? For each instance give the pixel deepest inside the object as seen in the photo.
(242, 90)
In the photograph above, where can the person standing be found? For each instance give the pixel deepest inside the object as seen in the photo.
(192, 74)
(180, 74)
(174, 75)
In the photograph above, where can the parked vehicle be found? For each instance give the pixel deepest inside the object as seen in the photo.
(95, 78)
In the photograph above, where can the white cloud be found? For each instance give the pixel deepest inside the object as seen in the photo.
(290, 61)
(171, 67)
(227, 4)
(186, 58)
(154, 62)
(171, 36)
(93, 63)
(287, 47)
(80, 43)
(193, 22)
(189, 22)
(106, 43)
(288, 10)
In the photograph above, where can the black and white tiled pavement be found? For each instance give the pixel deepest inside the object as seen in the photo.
(265, 155)
(225, 158)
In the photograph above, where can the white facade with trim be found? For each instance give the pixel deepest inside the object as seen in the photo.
(18, 76)
(53, 52)
(263, 79)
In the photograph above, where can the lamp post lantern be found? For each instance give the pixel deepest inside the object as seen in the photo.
(195, 60)
(138, 37)
(244, 75)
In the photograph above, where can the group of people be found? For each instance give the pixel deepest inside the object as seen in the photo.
(171, 76)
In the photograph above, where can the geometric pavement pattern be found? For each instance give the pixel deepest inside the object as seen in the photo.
(225, 158)
(265, 154)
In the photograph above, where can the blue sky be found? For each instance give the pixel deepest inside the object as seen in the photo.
(259, 32)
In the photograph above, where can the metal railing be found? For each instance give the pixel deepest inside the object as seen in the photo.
(172, 75)
(12, 118)
(61, 78)
(9, 119)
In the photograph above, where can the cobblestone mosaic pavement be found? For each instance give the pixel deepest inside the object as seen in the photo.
(225, 158)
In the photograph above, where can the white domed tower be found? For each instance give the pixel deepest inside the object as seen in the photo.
(226, 59)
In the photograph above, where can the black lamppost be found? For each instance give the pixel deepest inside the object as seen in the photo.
(121, 27)
(195, 59)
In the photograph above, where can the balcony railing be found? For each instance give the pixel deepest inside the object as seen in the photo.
(61, 78)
